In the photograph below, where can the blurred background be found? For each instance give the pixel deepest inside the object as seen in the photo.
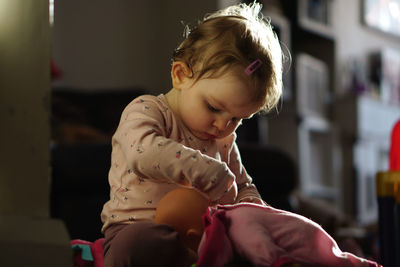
(316, 154)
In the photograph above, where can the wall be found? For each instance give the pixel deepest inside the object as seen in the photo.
(120, 43)
(105, 44)
(24, 112)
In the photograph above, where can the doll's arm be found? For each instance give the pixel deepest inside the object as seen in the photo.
(142, 135)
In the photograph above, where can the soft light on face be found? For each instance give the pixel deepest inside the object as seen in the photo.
(213, 108)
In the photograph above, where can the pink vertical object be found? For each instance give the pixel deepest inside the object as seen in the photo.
(394, 155)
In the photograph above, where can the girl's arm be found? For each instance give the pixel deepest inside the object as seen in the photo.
(150, 154)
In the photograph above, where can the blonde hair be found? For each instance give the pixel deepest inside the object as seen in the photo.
(236, 36)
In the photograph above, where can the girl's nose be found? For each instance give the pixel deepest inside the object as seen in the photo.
(221, 124)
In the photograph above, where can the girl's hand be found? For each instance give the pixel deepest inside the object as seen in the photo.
(259, 201)
(229, 196)
(254, 200)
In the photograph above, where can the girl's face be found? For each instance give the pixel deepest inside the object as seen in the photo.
(213, 108)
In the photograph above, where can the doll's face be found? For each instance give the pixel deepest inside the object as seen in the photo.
(182, 208)
(213, 108)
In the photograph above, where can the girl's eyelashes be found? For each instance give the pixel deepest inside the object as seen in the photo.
(215, 110)
(212, 109)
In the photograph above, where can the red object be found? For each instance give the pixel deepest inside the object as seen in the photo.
(55, 71)
(395, 148)
(96, 249)
(265, 236)
(216, 247)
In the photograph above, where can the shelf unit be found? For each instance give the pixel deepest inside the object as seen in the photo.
(311, 137)
(319, 162)
(366, 124)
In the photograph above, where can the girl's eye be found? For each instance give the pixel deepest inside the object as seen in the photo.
(212, 109)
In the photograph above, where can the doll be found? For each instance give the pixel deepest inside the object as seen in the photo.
(182, 208)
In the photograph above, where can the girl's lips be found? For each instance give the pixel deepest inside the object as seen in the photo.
(210, 136)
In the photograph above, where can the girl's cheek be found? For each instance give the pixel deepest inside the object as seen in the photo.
(234, 127)
(229, 130)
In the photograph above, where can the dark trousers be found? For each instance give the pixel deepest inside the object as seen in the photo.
(144, 244)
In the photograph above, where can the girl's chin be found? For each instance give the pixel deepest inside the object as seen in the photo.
(204, 136)
(210, 136)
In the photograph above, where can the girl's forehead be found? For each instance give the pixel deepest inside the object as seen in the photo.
(233, 94)
(239, 84)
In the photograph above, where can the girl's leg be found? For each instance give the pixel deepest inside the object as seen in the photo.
(144, 244)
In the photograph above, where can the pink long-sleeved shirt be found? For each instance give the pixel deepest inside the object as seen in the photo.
(153, 153)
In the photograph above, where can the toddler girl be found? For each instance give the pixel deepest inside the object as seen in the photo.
(227, 69)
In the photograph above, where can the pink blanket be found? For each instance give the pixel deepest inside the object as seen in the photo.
(268, 237)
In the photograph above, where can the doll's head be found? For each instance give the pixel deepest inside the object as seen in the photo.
(182, 208)
(236, 38)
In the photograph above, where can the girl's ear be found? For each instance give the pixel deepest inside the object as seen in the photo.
(180, 73)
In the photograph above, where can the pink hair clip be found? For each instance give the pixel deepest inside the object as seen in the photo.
(253, 66)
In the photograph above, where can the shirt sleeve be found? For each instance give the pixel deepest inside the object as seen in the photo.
(142, 135)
